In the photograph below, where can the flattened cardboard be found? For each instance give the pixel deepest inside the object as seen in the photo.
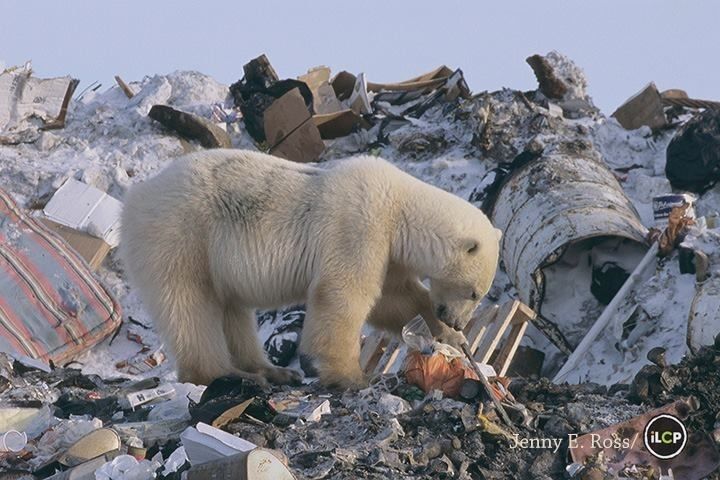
(643, 108)
(92, 249)
(23, 96)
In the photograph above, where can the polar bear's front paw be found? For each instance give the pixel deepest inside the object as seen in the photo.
(283, 376)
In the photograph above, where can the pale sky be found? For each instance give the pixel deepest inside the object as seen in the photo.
(621, 45)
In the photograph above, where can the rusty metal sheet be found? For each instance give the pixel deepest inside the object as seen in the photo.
(698, 459)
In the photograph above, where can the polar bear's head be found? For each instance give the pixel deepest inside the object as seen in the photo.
(457, 289)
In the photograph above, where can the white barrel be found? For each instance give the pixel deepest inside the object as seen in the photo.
(553, 202)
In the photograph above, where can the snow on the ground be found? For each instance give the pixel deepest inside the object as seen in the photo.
(110, 143)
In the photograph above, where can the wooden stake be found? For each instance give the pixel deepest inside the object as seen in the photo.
(124, 87)
(486, 384)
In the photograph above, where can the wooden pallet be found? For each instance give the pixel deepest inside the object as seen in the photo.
(486, 335)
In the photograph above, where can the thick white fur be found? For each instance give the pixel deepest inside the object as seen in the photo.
(222, 232)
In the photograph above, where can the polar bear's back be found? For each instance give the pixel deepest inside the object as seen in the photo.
(212, 214)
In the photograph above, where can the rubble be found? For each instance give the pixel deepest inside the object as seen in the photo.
(502, 150)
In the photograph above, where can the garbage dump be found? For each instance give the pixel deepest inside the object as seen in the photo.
(601, 324)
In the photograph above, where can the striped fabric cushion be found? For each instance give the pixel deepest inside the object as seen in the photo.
(51, 306)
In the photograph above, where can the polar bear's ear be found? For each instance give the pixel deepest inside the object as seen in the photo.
(499, 234)
(471, 245)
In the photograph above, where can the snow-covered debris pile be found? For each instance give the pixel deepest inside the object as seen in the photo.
(532, 160)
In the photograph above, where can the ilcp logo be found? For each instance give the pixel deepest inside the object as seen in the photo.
(665, 436)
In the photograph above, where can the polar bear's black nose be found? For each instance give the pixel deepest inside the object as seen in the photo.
(440, 311)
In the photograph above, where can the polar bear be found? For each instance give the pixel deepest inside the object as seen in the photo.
(221, 233)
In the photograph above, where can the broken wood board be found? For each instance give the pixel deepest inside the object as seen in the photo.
(486, 333)
(124, 87)
(514, 315)
(425, 82)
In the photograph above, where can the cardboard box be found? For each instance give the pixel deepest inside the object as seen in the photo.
(290, 131)
(324, 99)
(338, 124)
(92, 249)
(86, 209)
(643, 108)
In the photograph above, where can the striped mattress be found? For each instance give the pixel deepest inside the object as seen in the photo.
(51, 306)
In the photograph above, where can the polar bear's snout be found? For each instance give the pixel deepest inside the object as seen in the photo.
(453, 304)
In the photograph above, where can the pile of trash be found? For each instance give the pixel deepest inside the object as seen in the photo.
(608, 281)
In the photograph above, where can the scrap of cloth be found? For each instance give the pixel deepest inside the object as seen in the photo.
(51, 306)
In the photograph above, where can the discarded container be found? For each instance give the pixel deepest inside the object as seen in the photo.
(552, 211)
(94, 444)
(257, 464)
(663, 205)
(204, 443)
(85, 208)
(24, 98)
(12, 441)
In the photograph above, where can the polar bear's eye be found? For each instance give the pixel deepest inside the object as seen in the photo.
(474, 295)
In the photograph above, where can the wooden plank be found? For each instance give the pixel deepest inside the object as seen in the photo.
(507, 352)
(396, 363)
(476, 327)
(372, 350)
(495, 331)
(524, 314)
(388, 358)
(124, 87)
